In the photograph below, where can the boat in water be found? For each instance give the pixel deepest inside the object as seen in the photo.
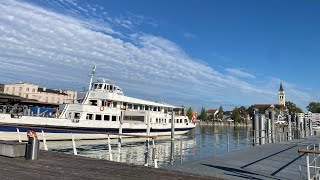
(103, 109)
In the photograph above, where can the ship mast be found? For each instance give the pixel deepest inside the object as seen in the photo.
(91, 76)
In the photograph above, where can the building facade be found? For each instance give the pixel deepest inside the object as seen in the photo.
(33, 92)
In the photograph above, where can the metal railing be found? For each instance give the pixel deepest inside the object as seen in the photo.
(312, 152)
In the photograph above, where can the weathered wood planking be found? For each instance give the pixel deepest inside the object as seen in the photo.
(52, 165)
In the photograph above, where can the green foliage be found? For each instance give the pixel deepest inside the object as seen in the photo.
(203, 115)
(314, 107)
(293, 108)
(236, 115)
(220, 113)
(190, 113)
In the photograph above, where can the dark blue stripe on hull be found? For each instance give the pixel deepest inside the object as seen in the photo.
(60, 129)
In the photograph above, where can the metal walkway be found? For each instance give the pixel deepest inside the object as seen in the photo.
(269, 161)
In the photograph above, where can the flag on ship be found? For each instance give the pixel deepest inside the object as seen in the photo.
(94, 70)
(194, 116)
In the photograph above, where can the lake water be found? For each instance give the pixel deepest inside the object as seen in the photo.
(201, 142)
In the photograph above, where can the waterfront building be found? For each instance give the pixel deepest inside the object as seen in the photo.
(212, 113)
(34, 92)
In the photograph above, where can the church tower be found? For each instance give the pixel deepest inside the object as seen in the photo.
(282, 96)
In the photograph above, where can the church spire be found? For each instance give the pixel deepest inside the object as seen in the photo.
(281, 88)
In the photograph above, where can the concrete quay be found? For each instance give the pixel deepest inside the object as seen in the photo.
(269, 161)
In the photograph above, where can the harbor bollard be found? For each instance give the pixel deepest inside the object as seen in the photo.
(268, 130)
(289, 137)
(262, 129)
(32, 148)
(256, 127)
(146, 154)
(310, 127)
(271, 117)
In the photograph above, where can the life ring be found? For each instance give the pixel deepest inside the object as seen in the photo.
(32, 133)
(101, 108)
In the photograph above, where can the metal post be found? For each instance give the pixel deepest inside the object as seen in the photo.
(238, 140)
(172, 125)
(154, 154)
(262, 129)
(228, 141)
(146, 154)
(269, 129)
(289, 127)
(299, 123)
(308, 168)
(247, 137)
(44, 141)
(271, 117)
(181, 149)
(310, 127)
(38, 111)
(305, 126)
(109, 149)
(74, 145)
(256, 126)
(172, 152)
(120, 132)
(19, 137)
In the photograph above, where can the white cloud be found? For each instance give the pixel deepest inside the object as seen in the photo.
(49, 48)
(239, 73)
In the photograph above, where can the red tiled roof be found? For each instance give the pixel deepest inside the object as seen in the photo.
(212, 110)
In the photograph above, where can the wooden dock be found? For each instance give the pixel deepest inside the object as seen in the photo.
(270, 161)
(53, 165)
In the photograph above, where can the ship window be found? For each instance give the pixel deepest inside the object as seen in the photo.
(77, 115)
(180, 120)
(89, 116)
(108, 87)
(141, 107)
(156, 120)
(165, 120)
(114, 104)
(177, 120)
(70, 115)
(169, 120)
(95, 86)
(146, 107)
(129, 106)
(185, 120)
(111, 87)
(154, 108)
(135, 106)
(98, 117)
(114, 118)
(100, 86)
(93, 102)
(106, 117)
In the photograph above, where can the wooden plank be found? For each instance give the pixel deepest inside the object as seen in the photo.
(53, 165)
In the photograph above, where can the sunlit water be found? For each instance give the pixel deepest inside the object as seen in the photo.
(199, 143)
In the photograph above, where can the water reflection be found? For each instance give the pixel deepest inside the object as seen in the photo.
(199, 143)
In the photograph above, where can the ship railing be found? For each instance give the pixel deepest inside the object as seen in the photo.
(150, 153)
(312, 154)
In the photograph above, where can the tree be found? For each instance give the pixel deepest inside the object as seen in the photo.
(293, 108)
(220, 113)
(190, 113)
(236, 115)
(314, 107)
(203, 115)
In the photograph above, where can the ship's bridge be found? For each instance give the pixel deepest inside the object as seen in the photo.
(102, 85)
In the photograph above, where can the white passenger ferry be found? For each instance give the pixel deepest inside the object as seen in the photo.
(103, 109)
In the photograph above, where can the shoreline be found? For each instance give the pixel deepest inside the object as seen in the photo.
(201, 123)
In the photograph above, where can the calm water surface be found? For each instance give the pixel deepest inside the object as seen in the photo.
(201, 142)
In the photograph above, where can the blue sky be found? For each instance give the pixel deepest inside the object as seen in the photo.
(195, 53)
